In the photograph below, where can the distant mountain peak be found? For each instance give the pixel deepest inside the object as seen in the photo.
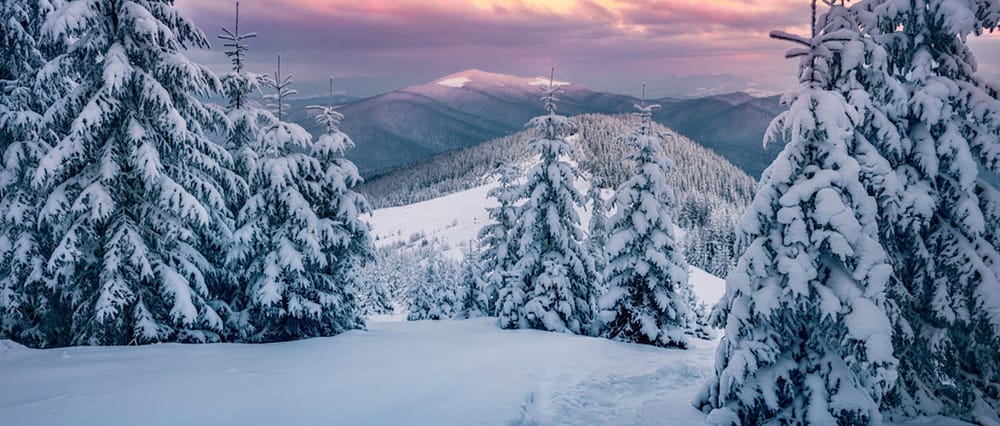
(477, 77)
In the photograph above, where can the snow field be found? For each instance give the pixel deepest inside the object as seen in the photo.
(419, 373)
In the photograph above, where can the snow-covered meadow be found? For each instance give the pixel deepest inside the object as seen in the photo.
(416, 373)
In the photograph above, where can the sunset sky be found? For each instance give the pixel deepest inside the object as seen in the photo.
(374, 46)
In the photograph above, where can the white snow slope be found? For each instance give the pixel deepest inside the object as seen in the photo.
(395, 373)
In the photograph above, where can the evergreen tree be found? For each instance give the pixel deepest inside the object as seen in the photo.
(597, 237)
(339, 200)
(296, 242)
(945, 256)
(648, 298)
(244, 123)
(245, 120)
(27, 311)
(554, 271)
(498, 257)
(376, 282)
(474, 295)
(433, 297)
(133, 187)
(374, 297)
(808, 340)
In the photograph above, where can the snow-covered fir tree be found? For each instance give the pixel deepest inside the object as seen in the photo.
(474, 296)
(245, 120)
(374, 297)
(808, 340)
(598, 227)
(244, 123)
(435, 295)
(648, 295)
(713, 245)
(299, 233)
(133, 187)
(392, 272)
(554, 286)
(944, 250)
(27, 311)
(339, 200)
(498, 256)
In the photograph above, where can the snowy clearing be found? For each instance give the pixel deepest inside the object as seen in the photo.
(418, 373)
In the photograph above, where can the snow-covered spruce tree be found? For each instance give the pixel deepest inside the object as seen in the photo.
(949, 288)
(807, 339)
(498, 257)
(244, 123)
(474, 296)
(554, 270)
(433, 297)
(339, 200)
(598, 227)
(374, 296)
(134, 185)
(299, 234)
(27, 313)
(648, 295)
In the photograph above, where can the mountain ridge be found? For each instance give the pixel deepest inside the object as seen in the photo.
(470, 107)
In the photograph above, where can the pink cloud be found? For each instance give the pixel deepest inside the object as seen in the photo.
(587, 39)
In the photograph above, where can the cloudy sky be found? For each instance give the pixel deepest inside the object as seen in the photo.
(373, 46)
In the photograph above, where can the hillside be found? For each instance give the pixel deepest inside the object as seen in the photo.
(710, 193)
(699, 170)
(732, 125)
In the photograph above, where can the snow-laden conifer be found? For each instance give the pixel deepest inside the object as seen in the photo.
(243, 124)
(339, 199)
(434, 295)
(245, 120)
(498, 256)
(807, 339)
(598, 228)
(27, 310)
(474, 296)
(299, 235)
(554, 271)
(133, 187)
(648, 295)
(945, 251)
(374, 296)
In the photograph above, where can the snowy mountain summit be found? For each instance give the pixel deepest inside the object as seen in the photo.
(479, 79)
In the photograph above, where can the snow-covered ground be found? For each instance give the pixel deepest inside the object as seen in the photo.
(416, 373)
(396, 373)
(453, 220)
